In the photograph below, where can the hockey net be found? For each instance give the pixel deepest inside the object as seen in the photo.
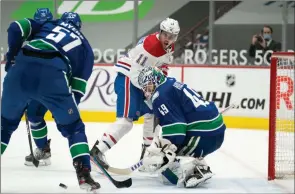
(281, 116)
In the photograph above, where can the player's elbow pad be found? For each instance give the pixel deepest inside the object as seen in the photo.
(15, 39)
(14, 31)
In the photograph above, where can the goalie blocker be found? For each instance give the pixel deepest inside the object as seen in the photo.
(192, 128)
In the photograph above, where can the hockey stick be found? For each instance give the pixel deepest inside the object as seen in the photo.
(127, 171)
(227, 108)
(103, 167)
(35, 161)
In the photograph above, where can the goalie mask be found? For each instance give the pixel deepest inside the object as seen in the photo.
(149, 79)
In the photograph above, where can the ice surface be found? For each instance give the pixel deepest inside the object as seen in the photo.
(240, 165)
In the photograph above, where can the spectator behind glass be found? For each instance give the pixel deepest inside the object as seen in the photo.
(262, 43)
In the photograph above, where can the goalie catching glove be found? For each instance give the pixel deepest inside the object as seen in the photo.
(159, 155)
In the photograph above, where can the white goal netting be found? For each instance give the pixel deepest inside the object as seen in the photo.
(284, 116)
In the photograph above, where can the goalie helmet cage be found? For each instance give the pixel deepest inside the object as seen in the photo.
(281, 116)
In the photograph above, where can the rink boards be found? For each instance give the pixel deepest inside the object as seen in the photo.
(246, 87)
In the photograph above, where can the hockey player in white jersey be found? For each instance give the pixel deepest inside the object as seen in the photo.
(153, 50)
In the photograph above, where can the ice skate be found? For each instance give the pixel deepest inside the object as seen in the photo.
(43, 155)
(84, 178)
(97, 156)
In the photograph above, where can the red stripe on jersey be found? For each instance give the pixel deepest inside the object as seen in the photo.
(153, 45)
(123, 63)
(127, 97)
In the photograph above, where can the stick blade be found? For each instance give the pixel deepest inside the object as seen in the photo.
(126, 184)
(36, 162)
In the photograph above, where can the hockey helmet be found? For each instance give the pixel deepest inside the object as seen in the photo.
(42, 15)
(149, 79)
(73, 18)
(170, 26)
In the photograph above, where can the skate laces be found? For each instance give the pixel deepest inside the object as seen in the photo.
(85, 174)
(39, 153)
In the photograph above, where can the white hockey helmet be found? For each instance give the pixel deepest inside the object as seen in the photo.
(170, 25)
(149, 79)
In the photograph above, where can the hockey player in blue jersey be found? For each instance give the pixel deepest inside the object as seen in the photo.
(36, 111)
(41, 15)
(58, 55)
(192, 128)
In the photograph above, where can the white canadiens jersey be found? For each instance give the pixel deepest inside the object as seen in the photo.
(148, 52)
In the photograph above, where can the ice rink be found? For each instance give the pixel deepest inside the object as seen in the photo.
(240, 165)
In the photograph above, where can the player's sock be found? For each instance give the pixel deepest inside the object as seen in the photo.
(79, 147)
(117, 130)
(3, 147)
(78, 144)
(39, 133)
(7, 128)
(107, 142)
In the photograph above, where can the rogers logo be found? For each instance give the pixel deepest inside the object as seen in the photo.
(284, 92)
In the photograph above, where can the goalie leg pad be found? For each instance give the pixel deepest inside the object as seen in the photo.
(118, 129)
(190, 172)
(201, 175)
(148, 129)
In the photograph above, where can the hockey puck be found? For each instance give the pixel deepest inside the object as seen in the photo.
(63, 186)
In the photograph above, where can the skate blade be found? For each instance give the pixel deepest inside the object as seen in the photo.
(46, 162)
(88, 188)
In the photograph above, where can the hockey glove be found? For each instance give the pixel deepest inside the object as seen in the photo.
(160, 154)
(9, 63)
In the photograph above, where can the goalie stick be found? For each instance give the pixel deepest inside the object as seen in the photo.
(127, 171)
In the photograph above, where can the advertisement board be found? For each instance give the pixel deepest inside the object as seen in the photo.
(246, 87)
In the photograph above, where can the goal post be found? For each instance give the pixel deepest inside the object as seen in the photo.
(281, 116)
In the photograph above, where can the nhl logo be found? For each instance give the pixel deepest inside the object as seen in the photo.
(70, 111)
(230, 80)
(137, 113)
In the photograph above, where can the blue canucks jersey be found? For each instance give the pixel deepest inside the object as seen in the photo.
(183, 113)
(55, 36)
